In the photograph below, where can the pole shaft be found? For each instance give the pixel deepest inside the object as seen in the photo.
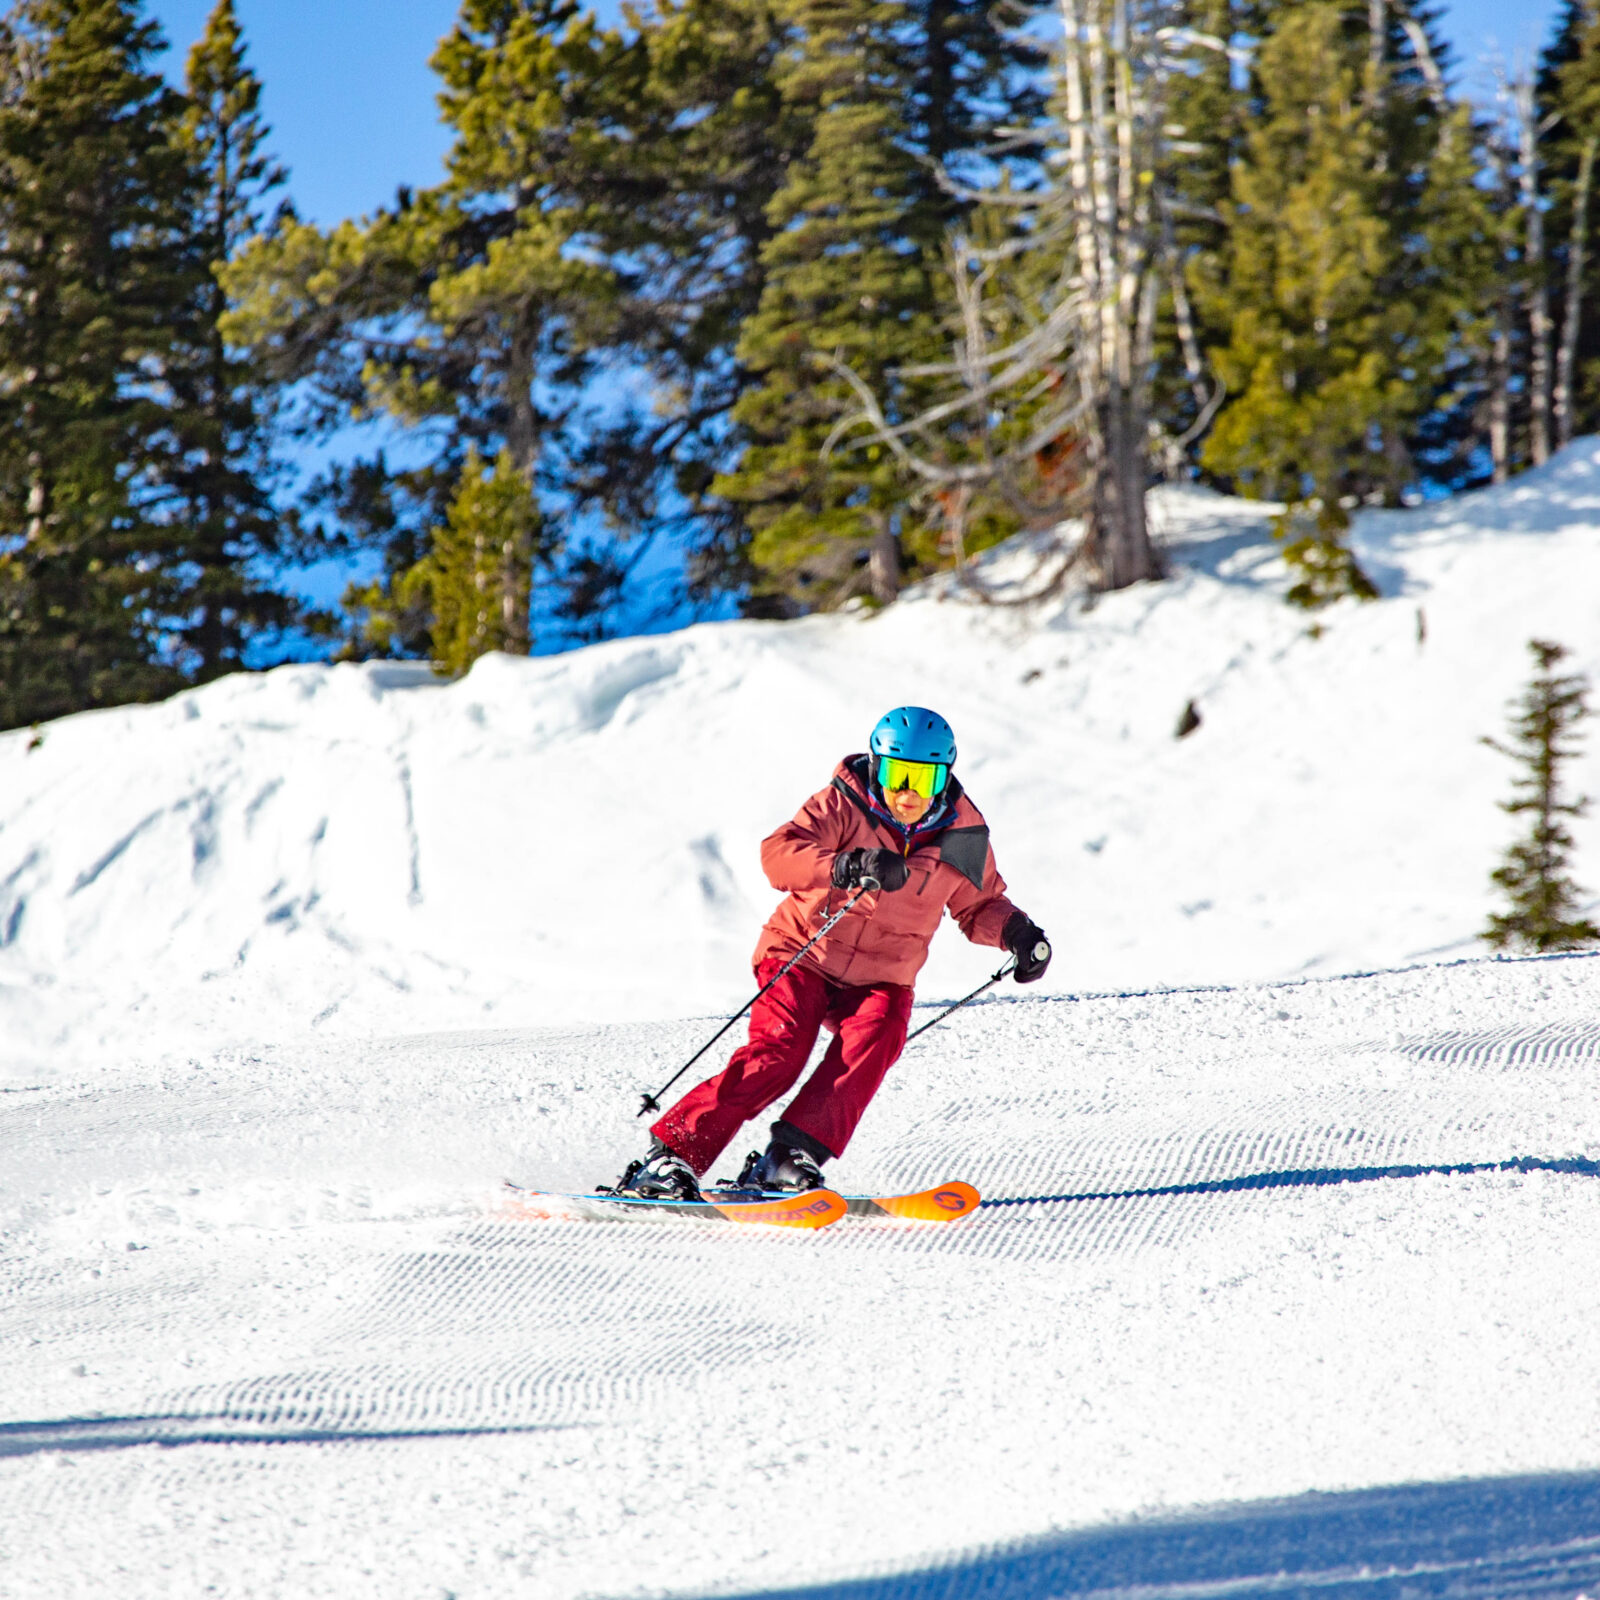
(652, 1102)
(950, 1010)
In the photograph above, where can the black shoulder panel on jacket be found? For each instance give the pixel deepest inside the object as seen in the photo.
(967, 850)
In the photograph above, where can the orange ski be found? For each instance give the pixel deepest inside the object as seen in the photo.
(947, 1203)
(815, 1208)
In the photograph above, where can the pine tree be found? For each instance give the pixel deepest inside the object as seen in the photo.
(1535, 876)
(475, 581)
(705, 140)
(473, 313)
(1309, 255)
(848, 281)
(225, 401)
(95, 199)
(855, 279)
(1208, 113)
(1567, 106)
(1343, 322)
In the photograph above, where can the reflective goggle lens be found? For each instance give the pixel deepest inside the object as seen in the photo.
(926, 778)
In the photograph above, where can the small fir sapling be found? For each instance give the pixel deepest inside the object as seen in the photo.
(1534, 876)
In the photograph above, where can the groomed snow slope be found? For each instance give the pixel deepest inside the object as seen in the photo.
(294, 967)
(263, 1334)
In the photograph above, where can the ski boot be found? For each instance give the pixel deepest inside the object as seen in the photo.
(780, 1166)
(662, 1175)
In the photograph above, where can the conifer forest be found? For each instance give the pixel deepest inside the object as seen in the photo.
(828, 294)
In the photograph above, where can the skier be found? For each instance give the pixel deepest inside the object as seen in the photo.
(895, 817)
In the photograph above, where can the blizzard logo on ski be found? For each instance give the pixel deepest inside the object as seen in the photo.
(950, 1200)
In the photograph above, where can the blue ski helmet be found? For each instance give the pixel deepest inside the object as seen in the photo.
(913, 733)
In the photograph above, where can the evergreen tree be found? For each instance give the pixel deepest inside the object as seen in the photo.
(468, 313)
(705, 141)
(95, 200)
(1453, 266)
(225, 402)
(848, 280)
(1209, 112)
(1345, 318)
(854, 279)
(478, 312)
(475, 580)
(1535, 875)
(1567, 106)
(1309, 256)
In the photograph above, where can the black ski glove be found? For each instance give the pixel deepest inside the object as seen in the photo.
(1025, 939)
(887, 866)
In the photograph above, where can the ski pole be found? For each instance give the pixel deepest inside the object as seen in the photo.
(652, 1102)
(1041, 952)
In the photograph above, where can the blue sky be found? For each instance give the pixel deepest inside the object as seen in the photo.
(347, 91)
(350, 97)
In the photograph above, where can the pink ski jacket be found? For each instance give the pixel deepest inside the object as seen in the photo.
(885, 937)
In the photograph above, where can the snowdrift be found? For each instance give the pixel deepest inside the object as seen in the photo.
(347, 848)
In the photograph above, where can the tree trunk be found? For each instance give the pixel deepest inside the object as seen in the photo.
(522, 419)
(514, 580)
(1577, 248)
(884, 560)
(1117, 528)
(1538, 298)
(1500, 391)
(1115, 236)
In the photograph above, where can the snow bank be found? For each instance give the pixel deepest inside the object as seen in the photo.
(346, 847)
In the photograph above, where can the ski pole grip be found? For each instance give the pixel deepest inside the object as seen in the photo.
(1041, 951)
(869, 884)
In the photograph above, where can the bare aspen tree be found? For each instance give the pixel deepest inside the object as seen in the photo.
(1533, 263)
(1502, 329)
(1577, 255)
(1061, 371)
(1377, 27)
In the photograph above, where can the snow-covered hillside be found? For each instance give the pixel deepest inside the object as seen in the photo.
(345, 848)
(1284, 1283)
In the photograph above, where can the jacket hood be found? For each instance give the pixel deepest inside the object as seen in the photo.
(853, 777)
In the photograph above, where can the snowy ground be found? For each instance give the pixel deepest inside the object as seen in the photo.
(294, 968)
(265, 1335)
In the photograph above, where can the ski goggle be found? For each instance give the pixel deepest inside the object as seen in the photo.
(926, 778)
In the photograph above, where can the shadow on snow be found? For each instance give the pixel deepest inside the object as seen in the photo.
(70, 1434)
(1313, 1177)
(1504, 1538)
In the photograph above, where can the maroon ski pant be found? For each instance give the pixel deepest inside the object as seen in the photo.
(869, 1025)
